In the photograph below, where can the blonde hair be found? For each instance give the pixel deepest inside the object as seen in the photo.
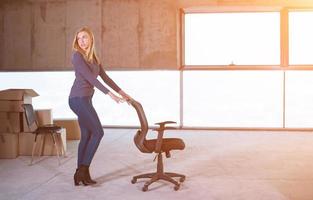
(90, 54)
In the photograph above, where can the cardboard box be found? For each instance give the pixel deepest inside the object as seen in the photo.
(10, 122)
(11, 100)
(17, 94)
(26, 141)
(71, 126)
(44, 116)
(44, 145)
(8, 145)
(13, 106)
(49, 148)
(14, 122)
(12, 118)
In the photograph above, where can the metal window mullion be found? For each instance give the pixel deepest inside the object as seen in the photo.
(181, 72)
(284, 54)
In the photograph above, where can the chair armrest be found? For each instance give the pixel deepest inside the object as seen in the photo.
(165, 122)
(160, 131)
(164, 128)
(159, 141)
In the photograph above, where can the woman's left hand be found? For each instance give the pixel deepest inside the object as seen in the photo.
(116, 98)
(125, 96)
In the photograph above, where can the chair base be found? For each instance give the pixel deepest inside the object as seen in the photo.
(160, 175)
(167, 176)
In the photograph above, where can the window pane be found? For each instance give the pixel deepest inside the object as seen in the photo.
(300, 38)
(53, 89)
(158, 92)
(299, 98)
(232, 38)
(233, 98)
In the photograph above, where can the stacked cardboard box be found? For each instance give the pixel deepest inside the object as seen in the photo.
(16, 137)
(12, 119)
(71, 126)
(44, 144)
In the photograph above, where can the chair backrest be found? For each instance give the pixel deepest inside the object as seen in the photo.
(140, 136)
(30, 115)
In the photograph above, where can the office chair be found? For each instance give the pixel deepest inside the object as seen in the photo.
(50, 129)
(158, 146)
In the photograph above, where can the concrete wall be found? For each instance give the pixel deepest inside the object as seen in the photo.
(130, 34)
(120, 33)
(49, 36)
(17, 38)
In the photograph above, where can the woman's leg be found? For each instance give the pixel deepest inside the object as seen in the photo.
(91, 128)
(76, 104)
(83, 108)
(84, 139)
(96, 133)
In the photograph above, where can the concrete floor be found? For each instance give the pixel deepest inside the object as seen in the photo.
(219, 165)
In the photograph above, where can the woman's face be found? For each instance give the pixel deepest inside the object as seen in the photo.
(83, 40)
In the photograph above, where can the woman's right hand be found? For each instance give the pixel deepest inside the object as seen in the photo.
(116, 98)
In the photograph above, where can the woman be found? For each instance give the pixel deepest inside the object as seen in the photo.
(87, 67)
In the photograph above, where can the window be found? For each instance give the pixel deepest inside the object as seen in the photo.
(232, 38)
(158, 92)
(300, 37)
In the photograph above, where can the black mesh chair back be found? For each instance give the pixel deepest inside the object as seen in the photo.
(140, 136)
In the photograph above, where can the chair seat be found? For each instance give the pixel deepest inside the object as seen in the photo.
(47, 129)
(168, 144)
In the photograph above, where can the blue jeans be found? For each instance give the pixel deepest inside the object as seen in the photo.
(90, 127)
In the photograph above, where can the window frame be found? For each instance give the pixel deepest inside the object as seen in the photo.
(284, 37)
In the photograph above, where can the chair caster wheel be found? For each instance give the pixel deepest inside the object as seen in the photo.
(176, 187)
(134, 181)
(144, 188)
(182, 179)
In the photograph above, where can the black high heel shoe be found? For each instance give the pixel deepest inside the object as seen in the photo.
(89, 180)
(81, 176)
